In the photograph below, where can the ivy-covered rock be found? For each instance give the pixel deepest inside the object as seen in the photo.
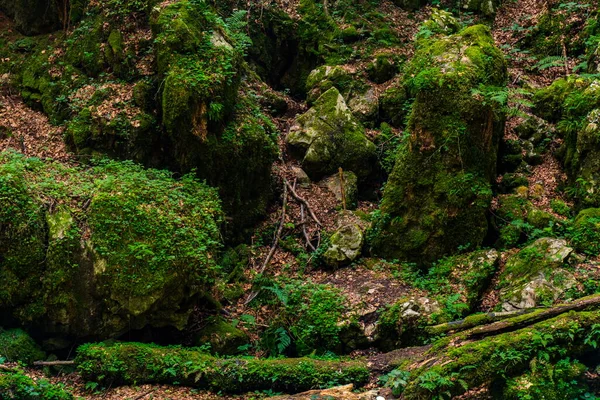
(536, 275)
(438, 193)
(211, 129)
(16, 345)
(121, 248)
(328, 137)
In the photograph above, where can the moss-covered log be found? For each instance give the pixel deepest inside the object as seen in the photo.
(493, 323)
(454, 365)
(136, 363)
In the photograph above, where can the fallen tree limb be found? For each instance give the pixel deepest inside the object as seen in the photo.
(52, 363)
(472, 321)
(302, 201)
(463, 364)
(136, 363)
(538, 315)
(275, 243)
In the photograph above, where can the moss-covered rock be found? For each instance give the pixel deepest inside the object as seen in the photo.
(358, 94)
(344, 187)
(123, 247)
(574, 103)
(328, 137)
(128, 363)
(439, 191)
(223, 337)
(392, 105)
(211, 129)
(585, 232)
(535, 275)
(487, 8)
(345, 246)
(16, 345)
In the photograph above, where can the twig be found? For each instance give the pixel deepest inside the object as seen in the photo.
(308, 243)
(275, 240)
(303, 201)
(51, 363)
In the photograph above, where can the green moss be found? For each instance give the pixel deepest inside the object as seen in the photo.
(328, 137)
(585, 232)
(149, 246)
(451, 156)
(496, 357)
(14, 384)
(128, 363)
(381, 69)
(16, 345)
(223, 337)
(393, 105)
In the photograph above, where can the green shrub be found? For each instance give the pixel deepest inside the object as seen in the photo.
(14, 384)
(16, 345)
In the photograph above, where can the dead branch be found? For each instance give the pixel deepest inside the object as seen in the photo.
(53, 363)
(275, 239)
(302, 201)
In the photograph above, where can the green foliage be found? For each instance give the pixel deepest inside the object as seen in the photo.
(561, 381)
(136, 363)
(14, 384)
(308, 319)
(396, 380)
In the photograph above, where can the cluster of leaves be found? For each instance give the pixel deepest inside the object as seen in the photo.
(14, 384)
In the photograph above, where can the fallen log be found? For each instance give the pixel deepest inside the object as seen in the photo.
(461, 362)
(136, 363)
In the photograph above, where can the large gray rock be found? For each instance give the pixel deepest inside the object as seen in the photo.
(328, 137)
(350, 188)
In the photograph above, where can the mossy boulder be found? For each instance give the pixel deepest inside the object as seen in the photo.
(223, 337)
(438, 193)
(33, 17)
(585, 232)
(210, 128)
(345, 246)
(16, 345)
(358, 94)
(574, 103)
(536, 275)
(122, 248)
(344, 187)
(328, 137)
(487, 8)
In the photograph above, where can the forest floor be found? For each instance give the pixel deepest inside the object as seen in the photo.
(365, 286)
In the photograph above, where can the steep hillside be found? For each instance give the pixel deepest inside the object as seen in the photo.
(299, 198)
